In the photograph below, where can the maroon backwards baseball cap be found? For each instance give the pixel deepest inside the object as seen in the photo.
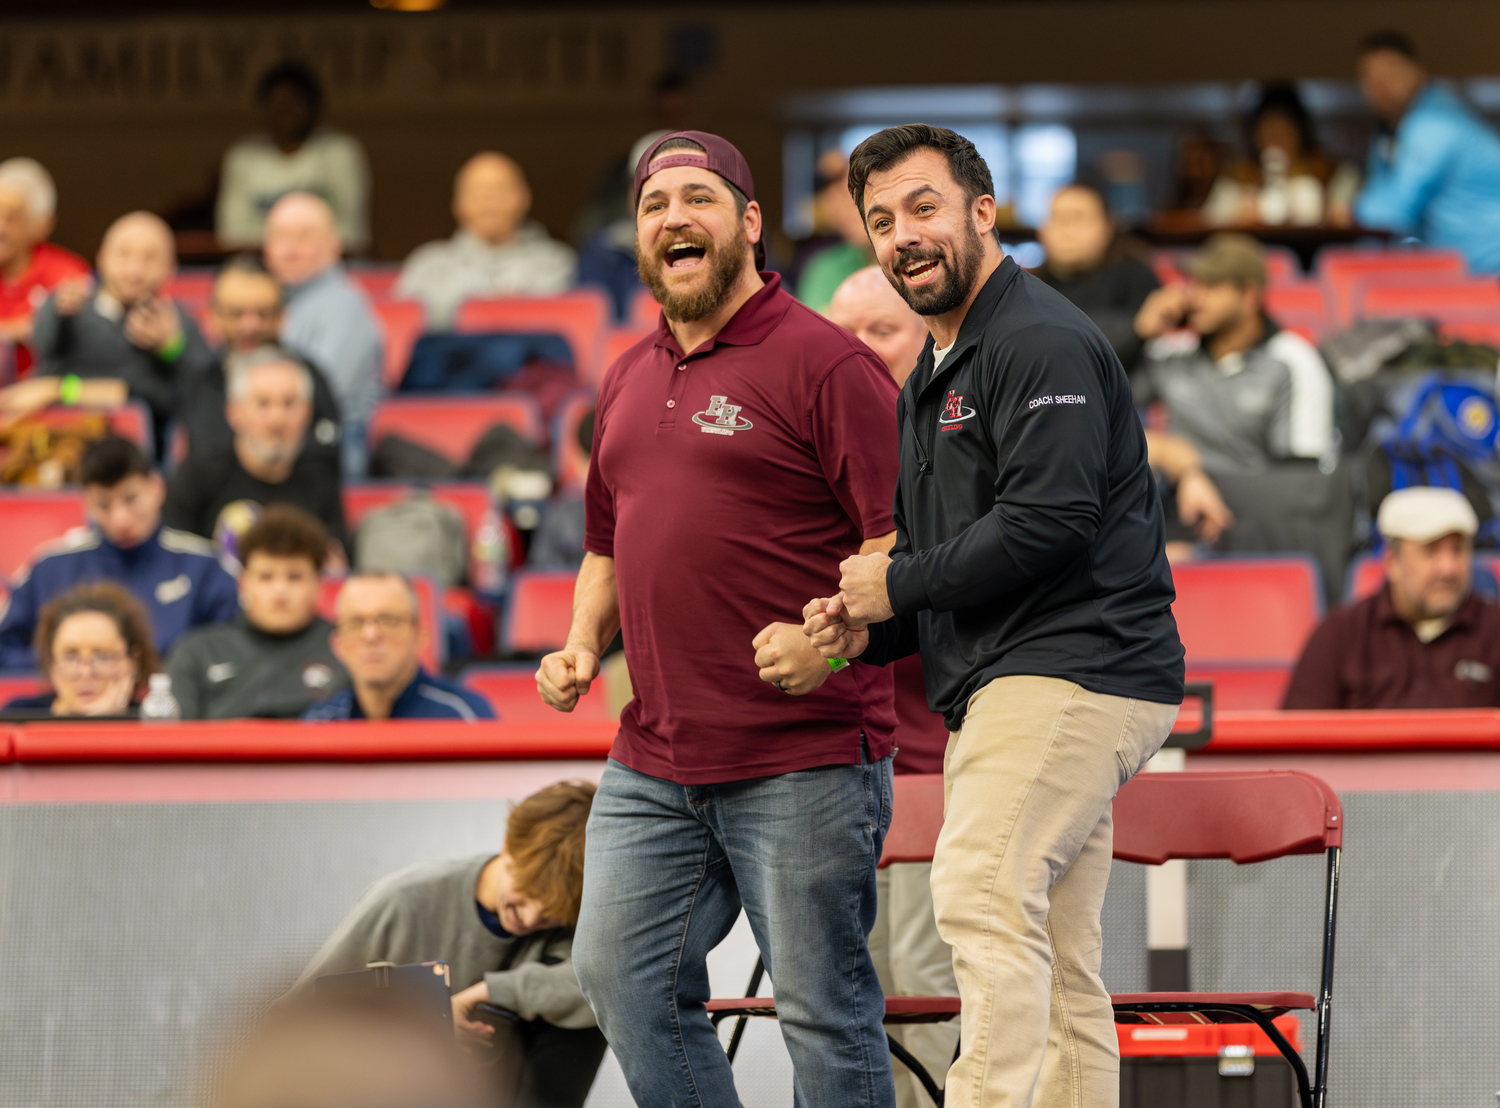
(718, 156)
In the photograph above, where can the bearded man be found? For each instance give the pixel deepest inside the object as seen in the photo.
(739, 454)
(1028, 571)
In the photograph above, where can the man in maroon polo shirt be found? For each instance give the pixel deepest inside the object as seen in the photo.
(1424, 640)
(739, 454)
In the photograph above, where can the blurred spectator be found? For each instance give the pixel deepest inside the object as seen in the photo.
(1434, 171)
(1424, 640)
(125, 331)
(1200, 507)
(177, 576)
(327, 316)
(1199, 159)
(607, 260)
(1094, 267)
(910, 956)
(504, 924)
(94, 642)
(293, 154)
(1242, 392)
(835, 211)
(344, 1052)
(867, 305)
(247, 310)
(379, 639)
(224, 491)
(496, 250)
(1289, 179)
(30, 266)
(274, 661)
(558, 541)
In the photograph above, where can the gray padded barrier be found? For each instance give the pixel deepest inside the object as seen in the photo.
(134, 938)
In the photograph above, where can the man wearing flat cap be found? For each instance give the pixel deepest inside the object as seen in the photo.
(1424, 640)
(740, 453)
(1244, 393)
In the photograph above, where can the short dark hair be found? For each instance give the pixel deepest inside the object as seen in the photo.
(1388, 39)
(741, 201)
(1282, 98)
(285, 532)
(111, 460)
(895, 144)
(108, 599)
(296, 74)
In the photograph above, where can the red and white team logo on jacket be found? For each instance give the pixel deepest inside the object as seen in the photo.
(954, 410)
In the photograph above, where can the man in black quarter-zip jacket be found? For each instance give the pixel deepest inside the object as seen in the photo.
(1029, 571)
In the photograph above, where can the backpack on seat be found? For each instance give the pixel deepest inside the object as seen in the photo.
(415, 535)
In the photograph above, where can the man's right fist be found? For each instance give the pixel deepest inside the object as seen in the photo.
(70, 296)
(565, 675)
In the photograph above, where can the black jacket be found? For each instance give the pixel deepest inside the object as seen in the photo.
(1029, 531)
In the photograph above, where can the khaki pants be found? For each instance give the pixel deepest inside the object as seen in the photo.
(912, 960)
(1018, 883)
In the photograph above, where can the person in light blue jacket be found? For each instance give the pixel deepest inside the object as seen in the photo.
(1434, 173)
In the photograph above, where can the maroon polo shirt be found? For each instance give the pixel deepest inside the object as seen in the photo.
(1364, 655)
(728, 485)
(921, 734)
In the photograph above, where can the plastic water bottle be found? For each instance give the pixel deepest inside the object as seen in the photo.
(489, 558)
(159, 702)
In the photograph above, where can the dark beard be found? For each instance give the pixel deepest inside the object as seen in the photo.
(941, 298)
(725, 262)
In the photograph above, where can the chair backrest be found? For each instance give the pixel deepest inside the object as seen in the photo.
(32, 519)
(644, 310)
(538, 612)
(1340, 268)
(451, 425)
(378, 281)
(401, 324)
(192, 287)
(1480, 329)
(471, 499)
(1244, 687)
(512, 691)
(1246, 609)
(1299, 306)
(1244, 815)
(1459, 300)
(429, 614)
(916, 818)
(581, 317)
(568, 460)
(14, 685)
(621, 339)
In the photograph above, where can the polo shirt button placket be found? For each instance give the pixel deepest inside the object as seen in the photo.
(671, 403)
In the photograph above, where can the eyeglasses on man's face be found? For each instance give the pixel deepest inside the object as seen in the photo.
(385, 624)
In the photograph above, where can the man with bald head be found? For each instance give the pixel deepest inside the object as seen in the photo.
(328, 317)
(124, 329)
(496, 250)
(866, 304)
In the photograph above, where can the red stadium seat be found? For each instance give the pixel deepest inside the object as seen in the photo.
(1244, 688)
(1458, 300)
(1247, 817)
(1484, 331)
(538, 612)
(401, 324)
(33, 519)
(569, 462)
(512, 691)
(193, 288)
(451, 425)
(378, 281)
(1301, 307)
(471, 499)
(429, 614)
(580, 317)
(1240, 610)
(14, 685)
(621, 339)
(644, 310)
(1340, 268)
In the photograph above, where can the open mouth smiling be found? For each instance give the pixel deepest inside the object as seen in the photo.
(920, 270)
(684, 255)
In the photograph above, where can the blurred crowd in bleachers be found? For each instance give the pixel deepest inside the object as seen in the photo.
(326, 486)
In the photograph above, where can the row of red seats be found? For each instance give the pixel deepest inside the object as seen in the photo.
(581, 317)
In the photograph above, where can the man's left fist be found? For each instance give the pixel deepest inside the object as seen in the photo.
(863, 586)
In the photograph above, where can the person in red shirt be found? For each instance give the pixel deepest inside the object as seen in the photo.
(30, 266)
(740, 452)
(910, 956)
(1424, 640)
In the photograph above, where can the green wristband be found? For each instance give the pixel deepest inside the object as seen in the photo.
(70, 389)
(173, 350)
(836, 664)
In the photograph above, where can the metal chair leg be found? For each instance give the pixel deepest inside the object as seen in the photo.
(919, 1071)
(739, 1026)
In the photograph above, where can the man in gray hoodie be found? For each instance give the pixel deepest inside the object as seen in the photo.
(504, 924)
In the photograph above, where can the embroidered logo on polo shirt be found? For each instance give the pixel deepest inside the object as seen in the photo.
(174, 589)
(725, 416)
(954, 410)
(1477, 672)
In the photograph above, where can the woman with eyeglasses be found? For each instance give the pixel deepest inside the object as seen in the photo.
(95, 645)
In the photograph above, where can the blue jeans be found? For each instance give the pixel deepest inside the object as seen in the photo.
(668, 868)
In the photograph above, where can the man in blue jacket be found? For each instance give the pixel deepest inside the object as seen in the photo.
(378, 636)
(177, 576)
(1434, 171)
